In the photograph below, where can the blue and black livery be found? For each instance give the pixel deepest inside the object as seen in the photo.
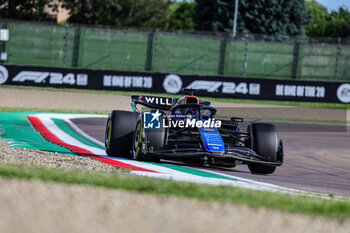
(260, 147)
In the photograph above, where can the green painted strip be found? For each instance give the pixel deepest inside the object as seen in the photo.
(18, 132)
(63, 126)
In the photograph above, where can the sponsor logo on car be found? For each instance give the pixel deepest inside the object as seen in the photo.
(4, 74)
(52, 78)
(343, 93)
(157, 100)
(209, 129)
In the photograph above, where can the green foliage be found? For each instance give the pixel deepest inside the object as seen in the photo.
(273, 17)
(319, 13)
(324, 24)
(101, 12)
(214, 15)
(181, 16)
(25, 10)
(144, 13)
(127, 13)
(338, 24)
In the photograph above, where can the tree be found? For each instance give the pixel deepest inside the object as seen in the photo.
(272, 17)
(144, 13)
(101, 12)
(127, 13)
(25, 10)
(318, 24)
(181, 16)
(338, 24)
(324, 24)
(214, 15)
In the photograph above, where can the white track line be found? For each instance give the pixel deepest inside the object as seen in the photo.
(82, 133)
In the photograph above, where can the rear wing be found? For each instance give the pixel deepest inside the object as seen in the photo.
(155, 102)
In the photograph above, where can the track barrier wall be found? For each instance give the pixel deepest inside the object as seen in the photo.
(171, 83)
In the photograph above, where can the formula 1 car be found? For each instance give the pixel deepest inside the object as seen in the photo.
(186, 130)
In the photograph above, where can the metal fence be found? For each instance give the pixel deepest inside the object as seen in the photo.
(178, 52)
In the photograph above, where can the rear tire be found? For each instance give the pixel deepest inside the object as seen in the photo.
(119, 133)
(265, 143)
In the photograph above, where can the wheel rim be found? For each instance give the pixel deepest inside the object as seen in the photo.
(107, 133)
(136, 141)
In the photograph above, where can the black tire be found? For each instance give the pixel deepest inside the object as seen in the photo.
(119, 133)
(265, 143)
(153, 138)
(261, 169)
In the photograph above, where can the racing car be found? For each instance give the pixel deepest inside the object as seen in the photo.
(185, 129)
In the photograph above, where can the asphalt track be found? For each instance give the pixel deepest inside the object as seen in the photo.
(317, 156)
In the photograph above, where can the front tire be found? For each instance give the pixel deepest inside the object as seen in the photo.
(261, 169)
(265, 143)
(119, 133)
(150, 139)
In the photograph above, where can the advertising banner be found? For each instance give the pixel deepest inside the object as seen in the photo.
(215, 86)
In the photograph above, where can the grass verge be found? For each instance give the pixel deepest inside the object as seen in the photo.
(336, 209)
(128, 93)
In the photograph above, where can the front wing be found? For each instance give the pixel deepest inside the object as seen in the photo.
(243, 154)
